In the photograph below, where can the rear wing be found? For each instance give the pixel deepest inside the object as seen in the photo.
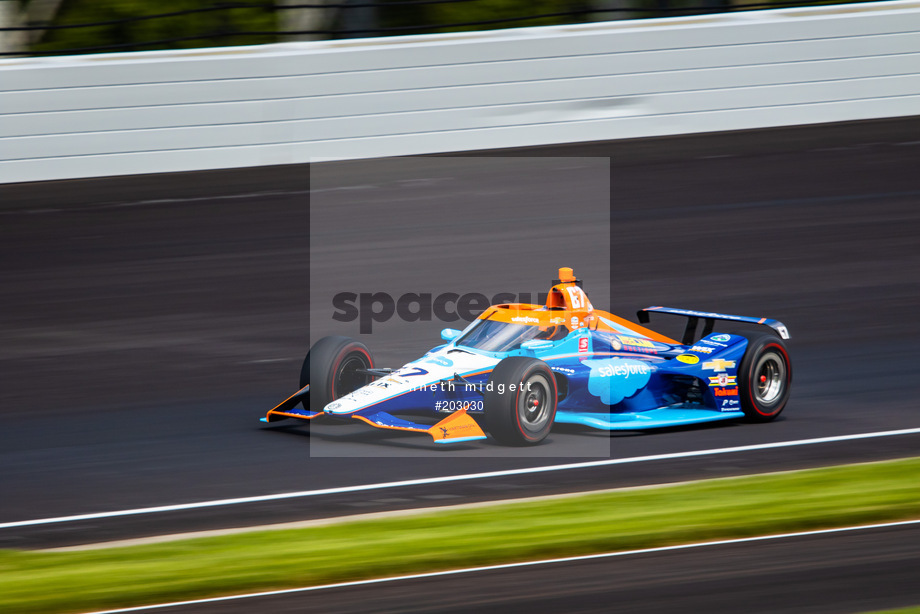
(709, 319)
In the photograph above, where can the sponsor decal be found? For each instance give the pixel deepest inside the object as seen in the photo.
(721, 338)
(583, 344)
(439, 360)
(456, 425)
(333, 406)
(702, 349)
(447, 431)
(726, 392)
(635, 344)
(723, 379)
(689, 359)
(624, 368)
(718, 364)
(713, 343)
(575, 322)
(616, 344)
(730, 403)
(557, 321)
(635, 341)
(525, 320)
(563, 370)
(616, 379)
(389, 381)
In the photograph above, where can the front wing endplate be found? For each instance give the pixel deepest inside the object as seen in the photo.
(455, 428)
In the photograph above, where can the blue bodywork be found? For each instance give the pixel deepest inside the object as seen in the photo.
(651, 385)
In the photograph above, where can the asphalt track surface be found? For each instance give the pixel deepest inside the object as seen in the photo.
(866, 571)
(147, 322)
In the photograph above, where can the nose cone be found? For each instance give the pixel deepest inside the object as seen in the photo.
(410, 385)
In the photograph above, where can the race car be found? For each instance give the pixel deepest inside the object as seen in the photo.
(518, 369)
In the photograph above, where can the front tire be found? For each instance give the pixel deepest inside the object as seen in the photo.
(765, 378)
(525, 415)
(331, 368)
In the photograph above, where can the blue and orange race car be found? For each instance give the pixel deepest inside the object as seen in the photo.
(519, 368)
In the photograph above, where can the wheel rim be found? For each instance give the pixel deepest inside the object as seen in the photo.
(769, 378)
(347, 379)
(533, 404)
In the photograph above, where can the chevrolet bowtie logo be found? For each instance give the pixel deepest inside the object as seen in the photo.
(719, 364)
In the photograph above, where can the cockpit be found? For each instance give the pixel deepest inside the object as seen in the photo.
(503, 328)
(497, 336)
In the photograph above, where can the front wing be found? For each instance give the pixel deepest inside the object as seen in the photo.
(455, 428)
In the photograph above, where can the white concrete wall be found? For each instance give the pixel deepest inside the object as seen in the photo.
(116, 114)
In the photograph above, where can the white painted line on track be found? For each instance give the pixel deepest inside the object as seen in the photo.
(454, 478)
(452, 572)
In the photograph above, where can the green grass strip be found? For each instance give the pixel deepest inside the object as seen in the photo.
(582, 524)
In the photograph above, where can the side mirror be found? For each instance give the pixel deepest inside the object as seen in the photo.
(537, 344)
(449, 334)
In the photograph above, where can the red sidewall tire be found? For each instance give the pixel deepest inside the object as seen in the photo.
(765, 378)
(526, 416)
(329, 369)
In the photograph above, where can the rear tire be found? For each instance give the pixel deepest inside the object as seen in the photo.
(331, 369)
(765, 378)
(525, 415)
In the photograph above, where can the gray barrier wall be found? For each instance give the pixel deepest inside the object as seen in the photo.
(116, 114)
